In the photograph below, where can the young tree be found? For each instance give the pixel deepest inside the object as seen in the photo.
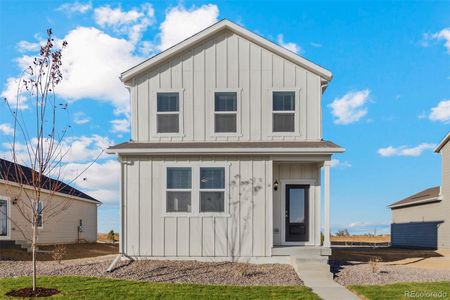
(38, 142)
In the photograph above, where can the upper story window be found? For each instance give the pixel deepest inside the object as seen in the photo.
(168, 113)
(283, 112)
(212, 189)
(225, 112)
(179, 189)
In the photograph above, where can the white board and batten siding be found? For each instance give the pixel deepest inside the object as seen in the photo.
(227, 62)
(244, 230)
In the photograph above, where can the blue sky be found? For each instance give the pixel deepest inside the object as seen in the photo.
(388, 104)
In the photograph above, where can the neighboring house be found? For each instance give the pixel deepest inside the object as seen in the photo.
(76, 221)
(423, 219)
(226, 151)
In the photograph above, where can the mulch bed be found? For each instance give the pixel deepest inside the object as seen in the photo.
(28, 292)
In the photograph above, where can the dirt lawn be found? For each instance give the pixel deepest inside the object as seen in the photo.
(74, 251)
(427, 259)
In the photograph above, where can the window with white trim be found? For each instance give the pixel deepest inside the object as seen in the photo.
(212, 189)
(225, 112)
(283, 111)
(179, 189)
(40, 210)
(167, 112)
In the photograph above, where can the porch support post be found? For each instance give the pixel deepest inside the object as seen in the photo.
(326, 204)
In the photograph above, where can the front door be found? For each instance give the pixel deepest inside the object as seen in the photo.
(3, 218)
(297, 212)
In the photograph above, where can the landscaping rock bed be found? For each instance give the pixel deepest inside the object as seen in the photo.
(362, 273)
(163, 271)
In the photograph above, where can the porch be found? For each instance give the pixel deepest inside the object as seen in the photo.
(297, 207)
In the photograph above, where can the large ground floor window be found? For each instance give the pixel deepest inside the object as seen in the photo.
(195, 189)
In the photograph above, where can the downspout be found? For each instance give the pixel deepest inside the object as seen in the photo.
(122, 214)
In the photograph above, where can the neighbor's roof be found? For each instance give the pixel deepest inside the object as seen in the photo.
(322, 147)
(212, 30)
(442, 143)
(424, 197)
(23, 175)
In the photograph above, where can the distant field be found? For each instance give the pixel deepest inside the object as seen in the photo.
(102, 237)
(362, 238)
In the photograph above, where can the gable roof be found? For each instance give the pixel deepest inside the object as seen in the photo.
(424, 197)
(212, 30)
(444, 141)
(23, 175)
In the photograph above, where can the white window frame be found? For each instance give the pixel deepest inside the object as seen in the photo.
(195, 187)
(8, 218)
(155, 113)
(237, 112)
(178, 190)
(200, 190)
(296, 112)
(42, 214)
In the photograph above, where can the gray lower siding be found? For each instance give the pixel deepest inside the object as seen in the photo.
(415, 235)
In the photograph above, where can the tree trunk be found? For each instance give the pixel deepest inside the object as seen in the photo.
(33, 249)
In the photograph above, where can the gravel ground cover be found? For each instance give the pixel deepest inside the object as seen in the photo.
(361, 273)
(163, 271)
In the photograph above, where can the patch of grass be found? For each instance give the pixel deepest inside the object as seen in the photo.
(74, 287)
(422, 290)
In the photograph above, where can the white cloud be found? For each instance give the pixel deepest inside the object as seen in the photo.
(91, 64)
(180, 23)
(25, 46)
(93, 180)
(6, 129)
(72, 149)
(441, 112)
(132, 23)
(290, 46)
(316, 45)
(13, 95)
(336, 163)
(405, 150)
(75, 7)
(444, 34)
(80, 118)
(350, 108)
(120, 125)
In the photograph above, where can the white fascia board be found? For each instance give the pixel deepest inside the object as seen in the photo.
(442, 143)
(434, 199)
(225, 24)
(206, 151)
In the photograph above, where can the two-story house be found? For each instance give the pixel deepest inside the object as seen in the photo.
(423, 219)
(226, 152)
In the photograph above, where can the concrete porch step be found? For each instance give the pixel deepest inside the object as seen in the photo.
(300, 251)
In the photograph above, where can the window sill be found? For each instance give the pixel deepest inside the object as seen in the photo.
(161, 135)
(195, 215)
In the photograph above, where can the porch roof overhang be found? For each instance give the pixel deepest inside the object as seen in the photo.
(233, 148)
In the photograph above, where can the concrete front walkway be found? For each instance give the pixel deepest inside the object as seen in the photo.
(315, 274)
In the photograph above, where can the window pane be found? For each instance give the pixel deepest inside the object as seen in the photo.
(167, 102)
(178, 202)
(212, 201)
(179, 178)
(283, 122)
(225, 123)
(212, 178)
(168, 123)
(226, 101)
(3, 218)
(283, 101)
